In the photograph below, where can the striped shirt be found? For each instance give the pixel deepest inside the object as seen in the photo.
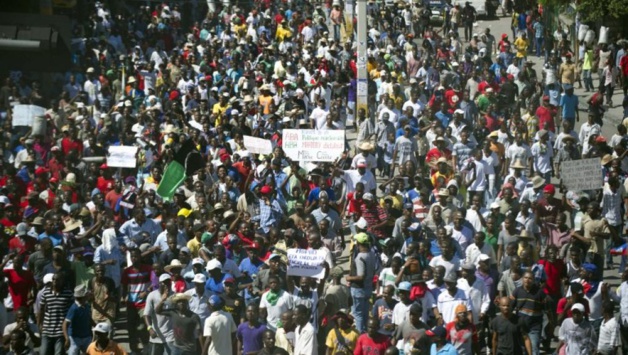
(138, 281)
(530, 303)
(56, 308)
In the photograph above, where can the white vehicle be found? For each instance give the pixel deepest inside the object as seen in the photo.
(479, 5)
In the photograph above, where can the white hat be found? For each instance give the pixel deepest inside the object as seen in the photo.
(361, 223)
(4, 200)
(103, 327)
(198, 261)
(164, 277)
(578, 306)
(213, 264)
(484, 257)
(199, 279)
(90, 70)
(131, 80)
(71, 178)
(48, 278)
(495, 205)
(459, 112)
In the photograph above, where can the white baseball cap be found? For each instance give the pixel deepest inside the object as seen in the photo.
(214, 264)
(199, 279)
(102, 328)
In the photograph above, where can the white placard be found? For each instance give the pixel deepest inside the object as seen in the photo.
(24, 115)
(122, 157)
(313, 145)
(582, 175)
(257, 145)
(306, 262)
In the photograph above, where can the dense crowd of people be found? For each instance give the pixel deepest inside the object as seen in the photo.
(449, 205)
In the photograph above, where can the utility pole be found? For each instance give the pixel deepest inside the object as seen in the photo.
(362, 80)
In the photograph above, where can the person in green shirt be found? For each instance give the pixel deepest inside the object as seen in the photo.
(485, 100)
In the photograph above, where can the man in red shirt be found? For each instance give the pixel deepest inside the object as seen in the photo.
(438, 151)
(548, 206)
(70, 142)
(372, 343)
(545, 113)
(22, 242)
(105, 182)
(21, 281)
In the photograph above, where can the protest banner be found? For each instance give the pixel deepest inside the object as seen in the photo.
(122, 157)
(313, 145)
(582, 175)
(257, 145)
(24, 115)
(306, 262)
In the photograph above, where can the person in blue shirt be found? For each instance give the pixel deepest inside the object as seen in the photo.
(440, 344)
(249, 267)
(569, 105)
(443, 116)
(215, 278)
(77, 325)
(50, 232)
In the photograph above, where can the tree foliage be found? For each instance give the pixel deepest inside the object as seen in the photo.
(594, 10)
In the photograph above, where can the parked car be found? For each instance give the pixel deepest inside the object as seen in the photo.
(436, 8)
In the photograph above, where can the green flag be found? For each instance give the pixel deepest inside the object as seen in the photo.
(187, 160)
(173, 177)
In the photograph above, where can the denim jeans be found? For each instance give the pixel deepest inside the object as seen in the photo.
(160, 349)
(360, 311)
(52, 345)
(588, 80)
(539, 46)
(535, 339)
(79, 345)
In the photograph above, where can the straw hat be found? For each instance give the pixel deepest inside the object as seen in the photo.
(442, 160)
(365, 146)
(607, 159)
(175, 263)
(71, 224)
(131, 80)
(180, 297)
(525, 235)
(439, 139)
(569, 137)
(517, 165)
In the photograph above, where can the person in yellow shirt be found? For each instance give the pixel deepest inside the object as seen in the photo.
(587, 65)
(283, 31)
(343, 337)
(103, 345)
(220, 108)
(521, 44)
(444, 171)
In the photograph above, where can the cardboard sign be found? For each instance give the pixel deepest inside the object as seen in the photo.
(122, 157)
(582, 175)
(313, 145)
(306, 262)
(24, 115)
(257, 145)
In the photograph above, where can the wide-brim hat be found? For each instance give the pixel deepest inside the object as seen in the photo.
(180, 297)
(439, 139)
(569, 137)
(537, 182)
(175, 263)
(365, 146)
(72, 224)
(517, 165)
(607, 159)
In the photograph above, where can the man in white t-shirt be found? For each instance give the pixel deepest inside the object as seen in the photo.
(318, 117)
(219, 329)
(543, 155)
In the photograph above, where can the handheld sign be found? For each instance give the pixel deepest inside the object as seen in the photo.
(257, 145)
(582, 175)
(313, 145)
(122, 157)
(306, 262)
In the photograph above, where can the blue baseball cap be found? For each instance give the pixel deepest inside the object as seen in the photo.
(215, 301)
(405, 286)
